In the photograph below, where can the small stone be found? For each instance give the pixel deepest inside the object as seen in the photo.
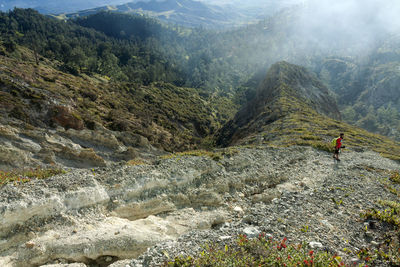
(108, 259)
(225, 237)
(203, 225)
(314, 245)
(238, 209)
(355, 261)
(218, 220)
(30, 244)
(247, 219)
(327, 224)
(375, 244)
(369, 234)
(251, 232)
(226, 225)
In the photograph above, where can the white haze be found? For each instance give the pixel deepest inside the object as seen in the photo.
(348, 24)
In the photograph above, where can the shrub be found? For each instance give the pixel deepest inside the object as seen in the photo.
(261, 251)
(24, 176)
(388, 215)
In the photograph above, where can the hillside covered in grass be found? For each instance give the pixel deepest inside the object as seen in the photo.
(292, 107)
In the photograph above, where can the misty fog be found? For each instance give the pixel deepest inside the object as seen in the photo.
(348, 24)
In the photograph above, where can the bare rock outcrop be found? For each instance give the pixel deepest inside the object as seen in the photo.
(102, 216)
(23, 146)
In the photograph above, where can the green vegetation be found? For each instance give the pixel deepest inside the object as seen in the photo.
(128, 48)
(175, 86)
(170, 117)
(389, 216)
(261, 251)
(295, 128)
(24, 176)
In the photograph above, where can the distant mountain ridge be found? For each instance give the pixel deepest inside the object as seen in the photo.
(181, 12)
(56, 6)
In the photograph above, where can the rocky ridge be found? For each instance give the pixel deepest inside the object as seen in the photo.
(109, 216)
(287, 89)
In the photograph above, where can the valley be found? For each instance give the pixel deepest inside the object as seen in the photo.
(126, 141)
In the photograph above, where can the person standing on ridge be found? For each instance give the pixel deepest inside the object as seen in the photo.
(338, 146)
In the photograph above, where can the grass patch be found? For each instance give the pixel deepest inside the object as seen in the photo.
(261, 251)
(315, 130)
(395, 177)
(24, 176)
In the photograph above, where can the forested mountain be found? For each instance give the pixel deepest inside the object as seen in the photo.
(360, 65)
(157, 134)
(186, 13)
(207, 13)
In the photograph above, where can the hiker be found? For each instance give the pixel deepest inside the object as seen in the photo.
(338, 146)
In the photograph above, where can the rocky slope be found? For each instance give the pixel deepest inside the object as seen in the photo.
(173, 206)
(50, 117)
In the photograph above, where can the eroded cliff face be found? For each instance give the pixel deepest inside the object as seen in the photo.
(30, 147)
(101, 216)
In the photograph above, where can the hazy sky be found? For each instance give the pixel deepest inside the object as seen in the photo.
(357, 23)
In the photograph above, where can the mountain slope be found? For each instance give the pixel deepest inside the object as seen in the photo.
(51, 117)
(286, 89)
(292, 107)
